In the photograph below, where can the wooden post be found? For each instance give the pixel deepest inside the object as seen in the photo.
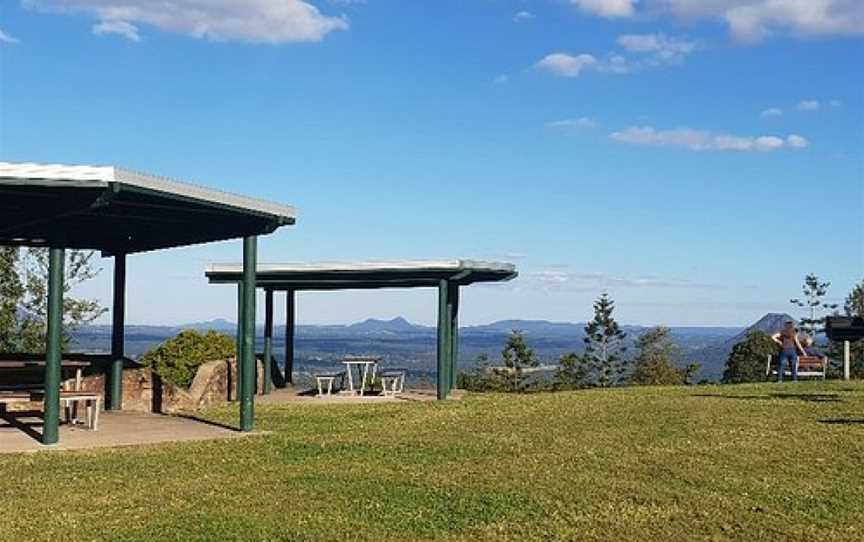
(247, 355)
(118, 318)
(290, 323)
(268, 340)
(54, 346)
(847, 361)
(443, 341)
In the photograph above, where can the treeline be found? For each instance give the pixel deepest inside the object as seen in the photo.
(656, 359)
(606, 361)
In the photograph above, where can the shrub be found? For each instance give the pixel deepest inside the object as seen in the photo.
(747, 361)
(177, 359)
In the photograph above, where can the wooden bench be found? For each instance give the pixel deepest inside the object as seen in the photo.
(69, 400)
(11, 397)
(808, 367)
(328, 380)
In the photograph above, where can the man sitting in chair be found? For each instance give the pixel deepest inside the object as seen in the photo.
(791, 345)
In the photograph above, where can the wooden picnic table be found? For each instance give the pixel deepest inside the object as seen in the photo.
(363, 365)
(24, 365)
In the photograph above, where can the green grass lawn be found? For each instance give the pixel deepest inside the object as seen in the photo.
(747, 462)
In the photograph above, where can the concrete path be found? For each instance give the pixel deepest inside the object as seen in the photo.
(21, 433)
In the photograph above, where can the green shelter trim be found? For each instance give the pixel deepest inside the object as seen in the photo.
(121, 212)
(446, 275)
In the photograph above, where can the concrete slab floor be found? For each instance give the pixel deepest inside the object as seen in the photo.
(21, 432)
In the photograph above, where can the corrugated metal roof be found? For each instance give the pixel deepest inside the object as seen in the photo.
(96, 176)
(369, 266)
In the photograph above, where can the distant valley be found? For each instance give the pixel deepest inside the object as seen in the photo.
(413, 346)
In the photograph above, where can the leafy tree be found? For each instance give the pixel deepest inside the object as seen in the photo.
(516, 357)
(24, 297)
(482, 378)
(746, 362)
(855, 301)
(573, 372)
(177, 359)
(814, 290)
(655, 365)
(603, 363)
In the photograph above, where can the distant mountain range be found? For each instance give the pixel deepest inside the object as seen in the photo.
(413, 345)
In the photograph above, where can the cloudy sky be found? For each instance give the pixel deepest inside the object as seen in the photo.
(694, 158)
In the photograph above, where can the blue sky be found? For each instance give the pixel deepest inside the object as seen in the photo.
(694, 158)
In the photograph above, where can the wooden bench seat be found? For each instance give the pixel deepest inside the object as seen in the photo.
(808, 366)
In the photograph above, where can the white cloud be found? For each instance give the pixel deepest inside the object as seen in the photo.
(662, 48)
(122, 28)
(607, 8)
(703, 140)
(749, 21)
(501, 79)
(523, 16)
(809, 105)
(566, 65)
(6, 38)
(552, 279)
(572, 124)
(797, 141)
(771, 112)
(254, 21)
(835, 103)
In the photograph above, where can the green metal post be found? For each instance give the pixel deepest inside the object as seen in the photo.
(239, 354)
(247, 397)
(443, 341)
(115, 396)
(51, 425)
(453, 309)
(268, 340)
(290, 322)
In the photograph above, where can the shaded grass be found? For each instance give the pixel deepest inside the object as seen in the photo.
(745, 462)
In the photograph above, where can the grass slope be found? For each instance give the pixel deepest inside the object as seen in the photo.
(744, 462)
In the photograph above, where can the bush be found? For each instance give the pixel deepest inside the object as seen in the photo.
(747, 361)
(177, 359)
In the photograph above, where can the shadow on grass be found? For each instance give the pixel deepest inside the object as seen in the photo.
(806, 397)
(841, 421)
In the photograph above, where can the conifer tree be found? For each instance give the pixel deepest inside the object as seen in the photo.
(603, 363)
(854, 305)
(516, 357)
(815, 308)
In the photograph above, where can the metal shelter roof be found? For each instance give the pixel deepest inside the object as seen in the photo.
(121, 211)
(366, 274)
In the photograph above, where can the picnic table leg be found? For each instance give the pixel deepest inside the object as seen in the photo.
(350, 378)
(363, 381)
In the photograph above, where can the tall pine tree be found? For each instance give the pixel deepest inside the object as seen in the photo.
(604, 362)
(854, 305)
(814, 305)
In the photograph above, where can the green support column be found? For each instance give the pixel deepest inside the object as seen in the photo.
(290, 321)
(239, 354)
(51, 424)
(247, 356)
(453, 310)
(443, 341)
(268, 340)
(115, 395)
